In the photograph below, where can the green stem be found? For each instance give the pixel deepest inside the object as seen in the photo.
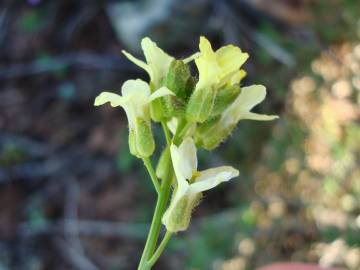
(160, 249)
(167, 133)
(181, 133)
(156, 223)
(151, 171)
(148, 257)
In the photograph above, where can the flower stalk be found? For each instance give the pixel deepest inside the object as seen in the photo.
(155, 226)
(195, 111)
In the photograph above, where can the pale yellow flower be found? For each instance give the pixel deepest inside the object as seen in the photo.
(135, 99)
(216, 68)
(157, 61)
(248, 98)
(190, 184)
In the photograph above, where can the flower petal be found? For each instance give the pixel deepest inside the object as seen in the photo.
(237, 76)
(137, 87)
(230, 59)
(205, 47)
(136, 61)
(210, 178)
(184, 158)
(163, 91)
(137, 94)
(188, 151)
(256, 116)
(206, 64)
(240, 108)
(114, 99)
(191, 57)
(172, 125)
(158, 60)
(179, 168)
(250, 96)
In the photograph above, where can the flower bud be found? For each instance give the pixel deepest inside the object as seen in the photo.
(179, 80)
(200, 105)
(181, 83)
(162, 168)
(177, 216)
(141, 140)
(224, 98)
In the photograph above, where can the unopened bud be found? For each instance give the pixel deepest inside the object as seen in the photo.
(179, 81)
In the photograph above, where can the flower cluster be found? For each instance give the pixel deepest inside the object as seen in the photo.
(201, 111)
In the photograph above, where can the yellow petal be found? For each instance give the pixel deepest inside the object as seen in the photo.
(210, 178)
(136, 61)
(249, 97)
(184, 158)
(257, 116)
(157, 60)
(163, 91)
(230, 58)
(207, 65)
(237, 77)
(191, 57)
(114, 99)
(138, 88)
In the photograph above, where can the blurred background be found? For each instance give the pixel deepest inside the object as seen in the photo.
(72, 197)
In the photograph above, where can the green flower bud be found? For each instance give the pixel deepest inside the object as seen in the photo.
(141, 140)
(181, 83)
(177, 217)
(162, 167)
(178, 80)
(224, 98)
(200, 105)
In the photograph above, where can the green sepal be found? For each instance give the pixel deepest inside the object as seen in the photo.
(200, 105)
(211, 133)
(132, 144)
(224, 98)
(162, 168)
(144, 139)
(141, 140)
(177, 217)
(157, 110)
